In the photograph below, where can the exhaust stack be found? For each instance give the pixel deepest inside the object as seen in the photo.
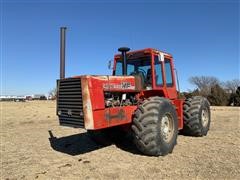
(124, 51)
(62, 51)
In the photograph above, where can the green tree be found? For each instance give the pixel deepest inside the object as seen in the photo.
(218, 97)
(235, 98)
(190, 94)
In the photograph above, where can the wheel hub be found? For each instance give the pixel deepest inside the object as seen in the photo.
(205, 117)
(167, 127)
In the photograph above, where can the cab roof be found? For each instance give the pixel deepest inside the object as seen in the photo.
(145, 51)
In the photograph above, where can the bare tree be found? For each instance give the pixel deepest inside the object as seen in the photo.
(204, 83)
(232, 85)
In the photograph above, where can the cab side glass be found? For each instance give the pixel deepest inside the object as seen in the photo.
(118, 71)
(130, 69)
(168, 73)
(158, 71)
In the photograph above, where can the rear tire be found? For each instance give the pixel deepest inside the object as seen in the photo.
(197, 116)
(155, 127)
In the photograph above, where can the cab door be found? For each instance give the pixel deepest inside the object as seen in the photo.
(163, 73)
(169, 79)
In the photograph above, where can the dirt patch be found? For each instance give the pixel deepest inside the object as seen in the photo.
(34, 146)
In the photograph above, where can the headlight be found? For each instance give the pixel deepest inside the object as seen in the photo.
(59, 113)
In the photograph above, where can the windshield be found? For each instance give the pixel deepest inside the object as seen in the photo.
(134, 66)
(142, 67)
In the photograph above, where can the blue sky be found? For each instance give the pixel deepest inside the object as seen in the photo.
(202, 37)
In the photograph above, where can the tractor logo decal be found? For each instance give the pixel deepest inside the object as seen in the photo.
(69, 112)
(123, 85)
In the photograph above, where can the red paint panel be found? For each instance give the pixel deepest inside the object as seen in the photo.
(121, 115)
(113, 116)
(179, 108)
(97, 98)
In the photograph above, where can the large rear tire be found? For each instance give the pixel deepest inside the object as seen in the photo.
(155, 127)
(197, 116)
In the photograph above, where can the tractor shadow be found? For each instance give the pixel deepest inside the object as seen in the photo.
(74, 144)
(81, 143)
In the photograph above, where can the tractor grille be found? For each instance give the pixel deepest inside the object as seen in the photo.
(69, 102)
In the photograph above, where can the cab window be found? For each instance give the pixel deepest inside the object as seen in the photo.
(139, 65)
(168, 73)
(158, 71)
(118, 71)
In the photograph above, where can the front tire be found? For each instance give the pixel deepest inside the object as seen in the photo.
(197, 116)
(155, 127)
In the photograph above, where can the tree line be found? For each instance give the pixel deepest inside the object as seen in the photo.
(218, 93)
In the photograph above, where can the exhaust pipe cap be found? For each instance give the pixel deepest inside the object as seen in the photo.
(123, 49)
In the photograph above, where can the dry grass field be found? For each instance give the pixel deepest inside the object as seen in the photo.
(34, 146)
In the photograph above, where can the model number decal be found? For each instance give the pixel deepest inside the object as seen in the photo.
(123, 85)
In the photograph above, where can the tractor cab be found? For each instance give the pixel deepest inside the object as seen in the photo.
(154, 68)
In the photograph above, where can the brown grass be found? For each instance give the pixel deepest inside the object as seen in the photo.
(33, 146)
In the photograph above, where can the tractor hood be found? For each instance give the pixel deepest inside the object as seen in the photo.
(112, 83)
(93, 89)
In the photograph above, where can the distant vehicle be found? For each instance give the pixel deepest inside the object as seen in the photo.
(29, 98)
(43, 98)
(20, 99)
(39, 97)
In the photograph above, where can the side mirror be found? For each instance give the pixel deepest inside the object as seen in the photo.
(110, 64)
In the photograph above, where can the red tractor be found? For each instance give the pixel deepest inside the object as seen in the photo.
(139, 97)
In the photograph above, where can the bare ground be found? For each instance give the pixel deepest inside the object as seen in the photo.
(33, 146)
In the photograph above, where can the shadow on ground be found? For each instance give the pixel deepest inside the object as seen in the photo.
(81, 143)
(74, 144)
